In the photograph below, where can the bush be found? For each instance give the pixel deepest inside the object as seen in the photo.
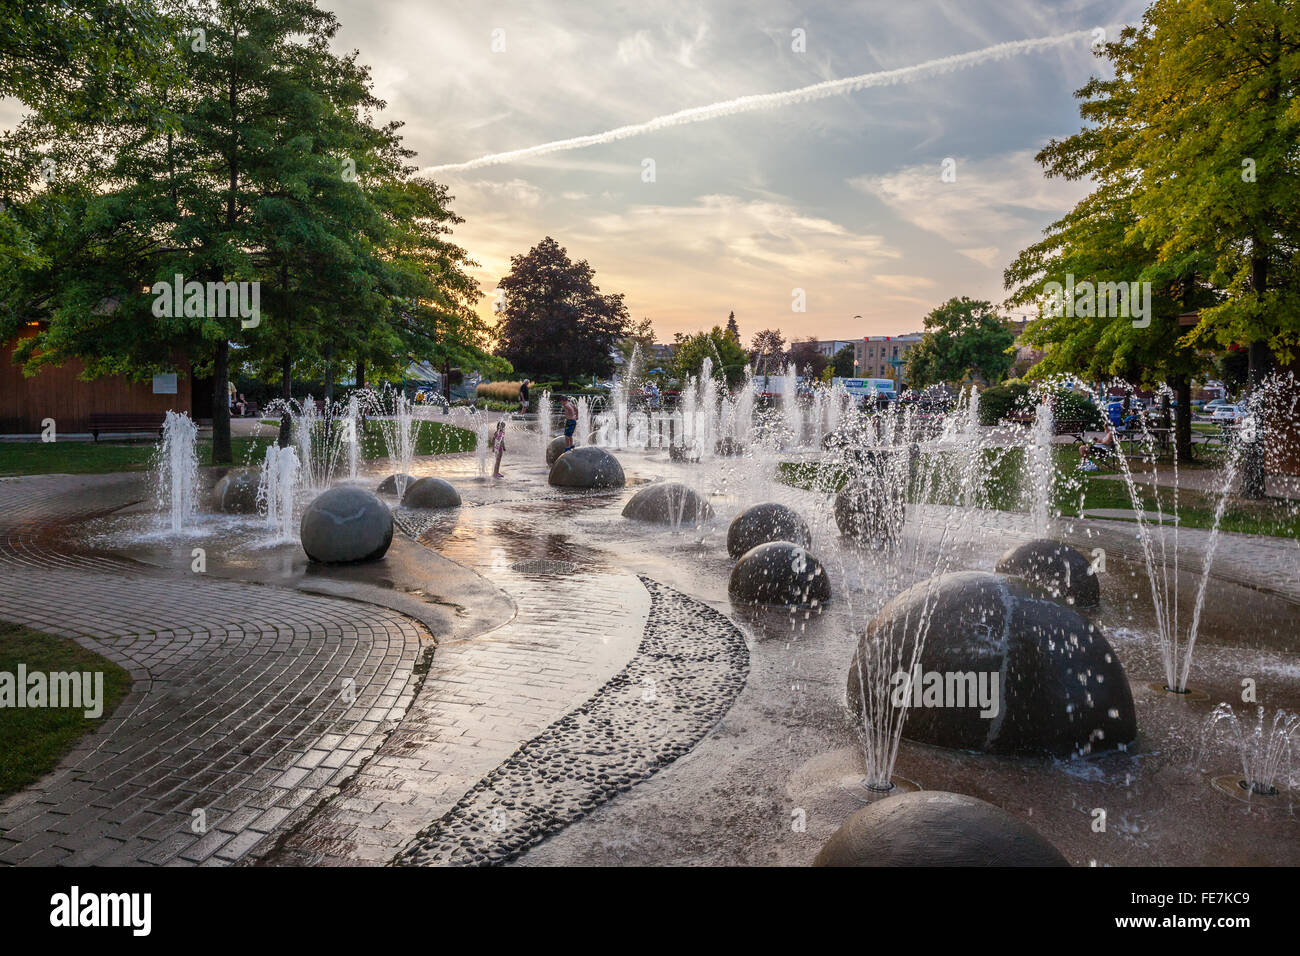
(1074, 407)
(500, 391)
(997, 402)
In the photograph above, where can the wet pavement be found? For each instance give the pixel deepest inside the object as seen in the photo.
(593, 696)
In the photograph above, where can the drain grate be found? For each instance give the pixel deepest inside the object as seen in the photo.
(544, 566)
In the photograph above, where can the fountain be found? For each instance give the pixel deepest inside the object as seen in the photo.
(275, 489)
(176, 469)
(1266, 751)
(1039, 466)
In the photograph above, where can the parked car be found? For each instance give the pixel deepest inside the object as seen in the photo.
(1228, 413)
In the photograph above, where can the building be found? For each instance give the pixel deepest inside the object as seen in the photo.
(884, 356)
(60, 393)
(832, 347)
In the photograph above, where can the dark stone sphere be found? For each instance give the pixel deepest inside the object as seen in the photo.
(1060, 688)
(389, 485)
(587, 467)
(556, 448)
(236, 492)
(763, 523)
(686, 453)
(668, 502)
(1057, 567)
(346, 525)
(431, 493)
(932, 828)
(871, 511)
(728, 448)
(779, 572)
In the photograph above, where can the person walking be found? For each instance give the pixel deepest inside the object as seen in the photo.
(499, 446)
(570, 422)
(523, 397)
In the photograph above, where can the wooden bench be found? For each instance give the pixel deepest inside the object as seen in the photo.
(1065, 426)
(126, 422)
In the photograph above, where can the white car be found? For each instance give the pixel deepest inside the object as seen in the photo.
(1214, 404)
(1228, 413)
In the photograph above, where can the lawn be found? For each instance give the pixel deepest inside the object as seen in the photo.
(1075, 491)
(83, 458)
(33, 739)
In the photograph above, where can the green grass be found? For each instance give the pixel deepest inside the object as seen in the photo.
(33, 740)
(85, 458)
(1076, 491)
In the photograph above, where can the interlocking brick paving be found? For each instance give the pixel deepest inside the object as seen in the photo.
(239, 707)
(689, 668)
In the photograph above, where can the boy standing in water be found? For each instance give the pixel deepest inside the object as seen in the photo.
(499, 446)
(570, 421)
(523, 397)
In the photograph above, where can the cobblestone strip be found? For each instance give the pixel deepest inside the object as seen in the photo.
(480, 700)
(689, 668)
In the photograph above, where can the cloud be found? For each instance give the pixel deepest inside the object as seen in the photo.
(768, 101)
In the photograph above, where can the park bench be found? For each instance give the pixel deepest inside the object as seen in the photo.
(1065, 426)
(127, 422)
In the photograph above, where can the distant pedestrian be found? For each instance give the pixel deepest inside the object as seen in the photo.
(652, 394)
(523, 397)
(570, 421)
(499, 446)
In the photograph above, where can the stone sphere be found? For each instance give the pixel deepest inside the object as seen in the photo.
(686, 453)
(1057, 567)
(779, 572)
(556, 448)
(345, 525)
(236, 492)
(389, 485)
(763, 523)
(1003, 669)
(871, 511)
(668, 502)
(587, 467)
(728, 448)
(932, 828)
(431, 493)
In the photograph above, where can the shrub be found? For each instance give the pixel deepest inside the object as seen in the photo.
(499, 391)
(999, 401)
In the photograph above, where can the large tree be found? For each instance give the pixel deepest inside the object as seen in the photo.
(262, 165)
(555, 319)
(965, 340)
(806, 358)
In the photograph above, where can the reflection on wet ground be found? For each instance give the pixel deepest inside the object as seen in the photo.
(788, 742)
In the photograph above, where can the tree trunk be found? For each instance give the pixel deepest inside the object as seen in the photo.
(329, 373)
(286, 393)
(361, 373)
(1182, 386)
(1253, 471)
(221, 450)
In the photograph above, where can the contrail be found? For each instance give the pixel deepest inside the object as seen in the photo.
(768, 101)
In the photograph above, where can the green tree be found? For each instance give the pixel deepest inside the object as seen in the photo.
(555, 319)
(727, 355)
(964, 340)
(806, 359)
(733, 329)
(767, 351)
(843, 362)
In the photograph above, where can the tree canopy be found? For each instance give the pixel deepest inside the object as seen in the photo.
(964, 340)
(555, 318)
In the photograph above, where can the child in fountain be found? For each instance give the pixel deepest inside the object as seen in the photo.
(570, 421)
(499, 446)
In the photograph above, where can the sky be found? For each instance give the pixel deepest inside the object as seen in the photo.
(842, 197)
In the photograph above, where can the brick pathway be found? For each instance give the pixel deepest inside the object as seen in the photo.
(239, 706)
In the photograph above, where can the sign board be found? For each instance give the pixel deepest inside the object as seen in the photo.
(164, 384)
